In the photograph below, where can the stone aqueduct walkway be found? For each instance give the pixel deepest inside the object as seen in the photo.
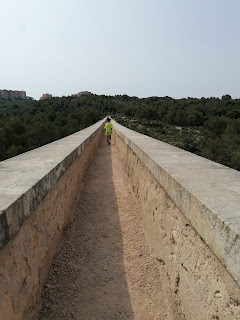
(103, 269)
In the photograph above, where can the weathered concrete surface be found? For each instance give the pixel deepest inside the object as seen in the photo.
(190, 209)
(38, 193)
(27, 178)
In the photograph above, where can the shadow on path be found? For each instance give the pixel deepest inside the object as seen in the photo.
(87, 279)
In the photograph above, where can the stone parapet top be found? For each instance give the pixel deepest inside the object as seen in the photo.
(206, 192)
(27, 178)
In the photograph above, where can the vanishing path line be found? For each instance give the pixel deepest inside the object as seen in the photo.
(103, 269)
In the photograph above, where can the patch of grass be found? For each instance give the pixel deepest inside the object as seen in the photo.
(187, 138)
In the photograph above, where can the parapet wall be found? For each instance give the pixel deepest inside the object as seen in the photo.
(190, 210)
(38, 191)
(189, 207)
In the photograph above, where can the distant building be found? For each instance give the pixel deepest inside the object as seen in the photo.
(12, 94)
(46, 96)
(83, 92)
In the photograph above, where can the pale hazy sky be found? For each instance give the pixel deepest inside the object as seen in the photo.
(178, 48)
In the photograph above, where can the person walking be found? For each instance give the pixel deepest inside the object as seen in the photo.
(108, 130)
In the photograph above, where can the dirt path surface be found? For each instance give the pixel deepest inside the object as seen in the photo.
(104, 270)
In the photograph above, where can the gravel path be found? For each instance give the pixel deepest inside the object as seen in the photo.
(104, 269)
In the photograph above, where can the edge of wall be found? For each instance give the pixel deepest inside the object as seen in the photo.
(27, 178)
(207, 193)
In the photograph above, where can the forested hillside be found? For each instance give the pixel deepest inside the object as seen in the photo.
(208, 126)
